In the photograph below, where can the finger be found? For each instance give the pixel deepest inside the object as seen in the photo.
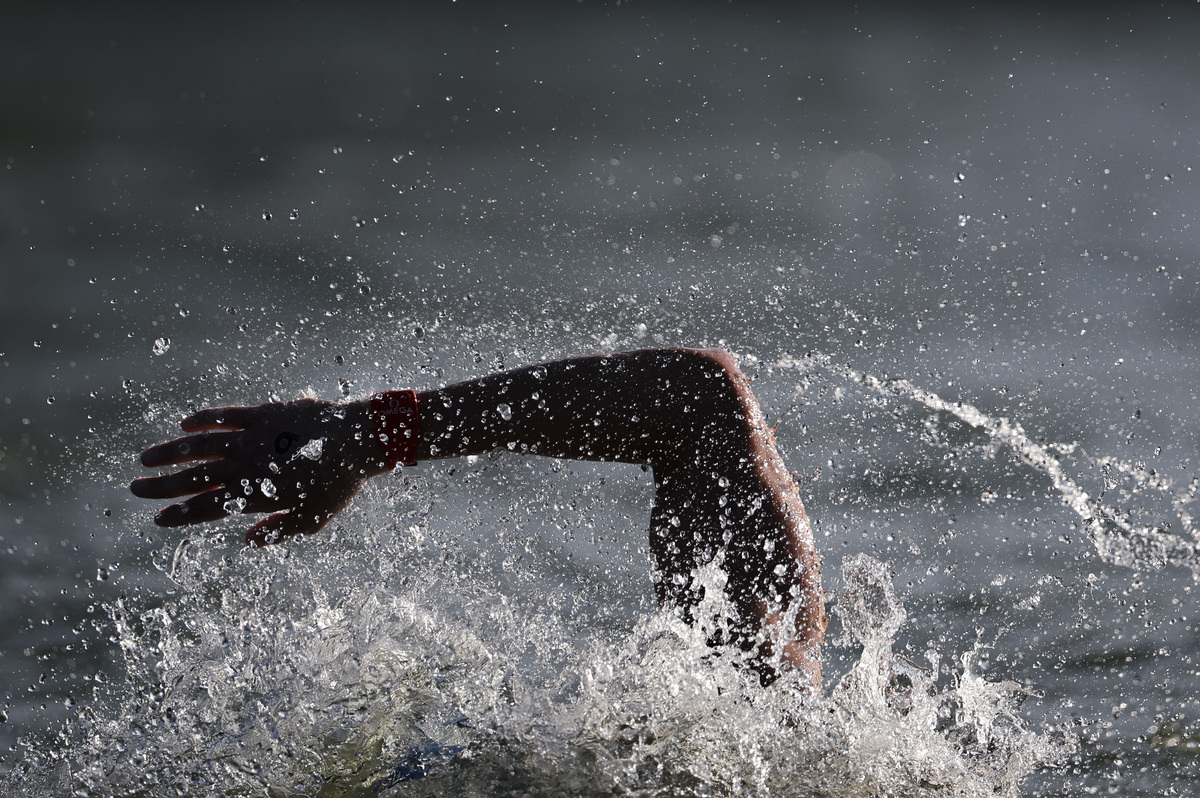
(205, 446)
(197, 479)
(281, 526)
(208, 506)
(220, 418)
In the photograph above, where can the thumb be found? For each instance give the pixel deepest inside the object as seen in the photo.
(281, 526)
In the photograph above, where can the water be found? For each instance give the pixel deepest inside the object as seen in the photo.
(956, 255)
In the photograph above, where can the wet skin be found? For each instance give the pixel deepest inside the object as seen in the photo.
(721, 488)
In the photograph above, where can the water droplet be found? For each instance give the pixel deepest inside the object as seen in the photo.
(266, 216)
(161, 346)
(37, 344)
(960, 177)
(312, 450)
(268, 488)
(294, 215)
(235, 505)
(505, 411)
(49, 400)
(184, 312)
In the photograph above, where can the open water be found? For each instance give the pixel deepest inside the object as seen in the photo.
(956, 250)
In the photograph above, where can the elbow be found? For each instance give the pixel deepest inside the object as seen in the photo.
(710, 405)
(712, 359)
(714, 375)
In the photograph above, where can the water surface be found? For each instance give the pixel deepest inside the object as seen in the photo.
(220, 204)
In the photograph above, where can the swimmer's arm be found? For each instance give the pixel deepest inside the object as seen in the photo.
(720, 484)
(634, 407)
(250, 459)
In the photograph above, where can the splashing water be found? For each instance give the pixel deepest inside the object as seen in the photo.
(1117, 540)
(392, 661)
(267, 676)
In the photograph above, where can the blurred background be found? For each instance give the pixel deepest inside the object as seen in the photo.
(217, 203)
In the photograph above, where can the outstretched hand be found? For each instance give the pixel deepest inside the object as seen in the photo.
(302, 461)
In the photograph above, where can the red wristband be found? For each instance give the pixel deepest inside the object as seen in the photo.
(397, 425)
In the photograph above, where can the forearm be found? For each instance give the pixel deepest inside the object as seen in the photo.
(634, 407)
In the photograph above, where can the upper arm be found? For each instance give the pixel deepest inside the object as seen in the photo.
(725, 489)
